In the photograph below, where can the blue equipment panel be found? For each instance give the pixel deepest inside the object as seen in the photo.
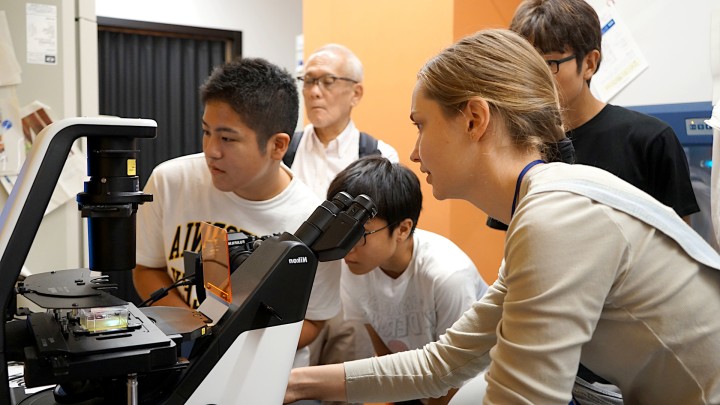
(686, 119)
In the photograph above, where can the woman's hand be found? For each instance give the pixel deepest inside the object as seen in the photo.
(320, 382)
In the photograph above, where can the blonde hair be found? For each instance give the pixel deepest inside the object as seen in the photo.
(505, 70)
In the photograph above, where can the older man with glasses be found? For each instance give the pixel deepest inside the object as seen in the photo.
(331, 87)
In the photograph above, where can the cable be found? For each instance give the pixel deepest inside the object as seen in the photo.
(163, 292)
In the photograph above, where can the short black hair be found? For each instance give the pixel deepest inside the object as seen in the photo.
(263, 94)
(559, 26)
(394, 188)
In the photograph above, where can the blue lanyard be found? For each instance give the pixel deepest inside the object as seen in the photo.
(519, 181)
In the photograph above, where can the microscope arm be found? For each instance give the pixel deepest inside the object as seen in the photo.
(25, 207)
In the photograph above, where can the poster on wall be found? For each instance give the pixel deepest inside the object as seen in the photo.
(622, 60)
(42, 36)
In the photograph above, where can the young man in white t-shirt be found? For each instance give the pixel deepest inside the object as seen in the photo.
(238, 183)
(405, 284)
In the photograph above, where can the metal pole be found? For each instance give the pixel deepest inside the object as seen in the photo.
(132, 389)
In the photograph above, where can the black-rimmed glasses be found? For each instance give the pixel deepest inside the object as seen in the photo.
(555, 63)
(325, 81)
(364, 237)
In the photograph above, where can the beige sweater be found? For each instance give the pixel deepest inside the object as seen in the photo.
(581, 282)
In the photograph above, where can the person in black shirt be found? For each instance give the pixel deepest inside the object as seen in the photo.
(640, 149)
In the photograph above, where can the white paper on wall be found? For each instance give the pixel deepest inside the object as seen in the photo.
(622, 60)
(42, 36)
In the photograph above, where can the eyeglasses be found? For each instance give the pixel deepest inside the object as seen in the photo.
(325, 81)
(365, 235)
(555, 63)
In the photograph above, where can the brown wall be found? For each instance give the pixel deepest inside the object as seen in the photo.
(394, 38)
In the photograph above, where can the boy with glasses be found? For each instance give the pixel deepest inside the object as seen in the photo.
(405, 284)
(639, 149)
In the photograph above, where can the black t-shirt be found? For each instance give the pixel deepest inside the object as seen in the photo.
(639, 149)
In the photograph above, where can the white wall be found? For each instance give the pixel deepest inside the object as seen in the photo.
(269, 27)
(674, 36)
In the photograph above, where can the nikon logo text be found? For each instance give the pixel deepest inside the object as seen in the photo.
(301, 259)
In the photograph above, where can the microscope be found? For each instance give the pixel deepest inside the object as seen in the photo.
(91, 347)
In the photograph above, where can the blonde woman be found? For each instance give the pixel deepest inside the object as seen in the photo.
(635, 296)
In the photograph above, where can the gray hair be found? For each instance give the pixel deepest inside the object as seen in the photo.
(353, 66)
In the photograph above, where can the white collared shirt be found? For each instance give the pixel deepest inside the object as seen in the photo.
(317, 165)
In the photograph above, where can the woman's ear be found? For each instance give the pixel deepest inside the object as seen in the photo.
(277, 145)
(477, 116)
